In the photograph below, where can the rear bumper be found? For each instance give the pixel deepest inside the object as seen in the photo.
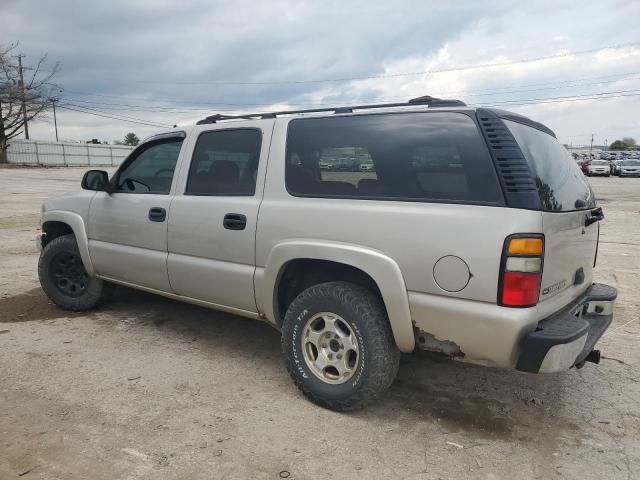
(566, 338)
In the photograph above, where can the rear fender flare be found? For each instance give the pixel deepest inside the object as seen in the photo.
(381, 268)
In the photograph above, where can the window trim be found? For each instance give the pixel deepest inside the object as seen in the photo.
(193, 153)
(499, 203)
(135, 154)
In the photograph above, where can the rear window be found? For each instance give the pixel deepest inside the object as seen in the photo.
(414, 157)
(561, 185)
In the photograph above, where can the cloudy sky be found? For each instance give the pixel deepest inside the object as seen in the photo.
(574, 65)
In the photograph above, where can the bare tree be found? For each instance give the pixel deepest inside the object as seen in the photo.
(22, 102)
(629, 142)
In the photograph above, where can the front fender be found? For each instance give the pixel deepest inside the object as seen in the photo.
(384, 271)
(76, 223)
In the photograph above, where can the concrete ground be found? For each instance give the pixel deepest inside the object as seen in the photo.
(150, 388)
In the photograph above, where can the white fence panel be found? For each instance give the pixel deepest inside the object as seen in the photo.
(59, 153)
(22, 152)
(50, 153)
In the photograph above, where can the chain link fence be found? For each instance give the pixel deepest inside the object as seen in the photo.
(66, 154)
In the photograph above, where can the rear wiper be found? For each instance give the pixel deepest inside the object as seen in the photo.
(596, 216)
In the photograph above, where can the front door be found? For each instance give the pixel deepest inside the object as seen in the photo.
(128, 227)
(212, 225)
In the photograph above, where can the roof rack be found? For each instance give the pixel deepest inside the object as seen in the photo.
(425, 100)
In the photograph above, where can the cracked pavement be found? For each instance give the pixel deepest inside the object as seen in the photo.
(150, 388)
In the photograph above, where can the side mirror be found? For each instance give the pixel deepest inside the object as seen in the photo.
(97, 180)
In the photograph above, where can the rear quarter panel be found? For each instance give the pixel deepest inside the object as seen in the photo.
(415, 235)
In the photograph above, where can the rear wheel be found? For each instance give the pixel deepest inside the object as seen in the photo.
(64, 278)
(339, 346)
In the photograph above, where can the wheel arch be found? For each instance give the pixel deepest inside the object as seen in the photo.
(56, 223)
(372, 268)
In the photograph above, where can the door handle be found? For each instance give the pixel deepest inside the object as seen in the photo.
(157, 214)
(234, 221)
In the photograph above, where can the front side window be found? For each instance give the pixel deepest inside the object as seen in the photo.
(151, 170)
(225, 162)
(436, 156)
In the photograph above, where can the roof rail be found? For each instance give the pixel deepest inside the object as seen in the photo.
(425, 100)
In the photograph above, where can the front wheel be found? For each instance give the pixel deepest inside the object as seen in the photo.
(339, 346)
(64, 278)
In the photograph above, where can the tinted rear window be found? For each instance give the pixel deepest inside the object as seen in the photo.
(414, 156)
(561, 184)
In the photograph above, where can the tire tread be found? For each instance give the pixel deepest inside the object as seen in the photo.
(385, 359)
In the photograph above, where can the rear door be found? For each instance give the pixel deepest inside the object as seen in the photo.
(567, 202)
(212, 223)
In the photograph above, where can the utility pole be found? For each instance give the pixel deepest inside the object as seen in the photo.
(55, 121)
(591, 147)
(24, 106)
(605, 143)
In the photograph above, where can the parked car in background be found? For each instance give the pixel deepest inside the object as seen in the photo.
(584, 166)
(629, 168)
(615, 166)
(599, 167)
(366, 167)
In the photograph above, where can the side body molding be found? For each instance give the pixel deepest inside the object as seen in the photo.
(384, 271)
(76, 223)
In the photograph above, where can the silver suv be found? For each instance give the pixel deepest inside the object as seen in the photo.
(358, 232)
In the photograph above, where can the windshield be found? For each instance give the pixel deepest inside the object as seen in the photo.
(631, 163)
(599, 162)
(561, 185)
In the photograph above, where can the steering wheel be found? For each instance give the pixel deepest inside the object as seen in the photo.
(130, 183)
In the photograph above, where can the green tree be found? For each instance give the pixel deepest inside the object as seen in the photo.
(131, 139)
(618, 145)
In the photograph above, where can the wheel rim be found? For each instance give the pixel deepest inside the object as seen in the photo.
(68, 274)
(330, 348)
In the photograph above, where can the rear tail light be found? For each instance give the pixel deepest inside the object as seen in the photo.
(521, 271)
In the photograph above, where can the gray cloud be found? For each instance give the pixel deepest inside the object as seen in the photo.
(172, 53)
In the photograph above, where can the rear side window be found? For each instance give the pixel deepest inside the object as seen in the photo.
(225, 162)
(560, 182)
(406, 156)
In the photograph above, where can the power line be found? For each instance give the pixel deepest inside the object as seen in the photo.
(563, 98)
(113, 118)
(460, 94)
(395, 75)
(498, 103)
(114, 114)
(513, 103)
(557, 100)
(494, 89)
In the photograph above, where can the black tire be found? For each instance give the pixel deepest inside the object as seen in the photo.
(64, 279)
(378, 357)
